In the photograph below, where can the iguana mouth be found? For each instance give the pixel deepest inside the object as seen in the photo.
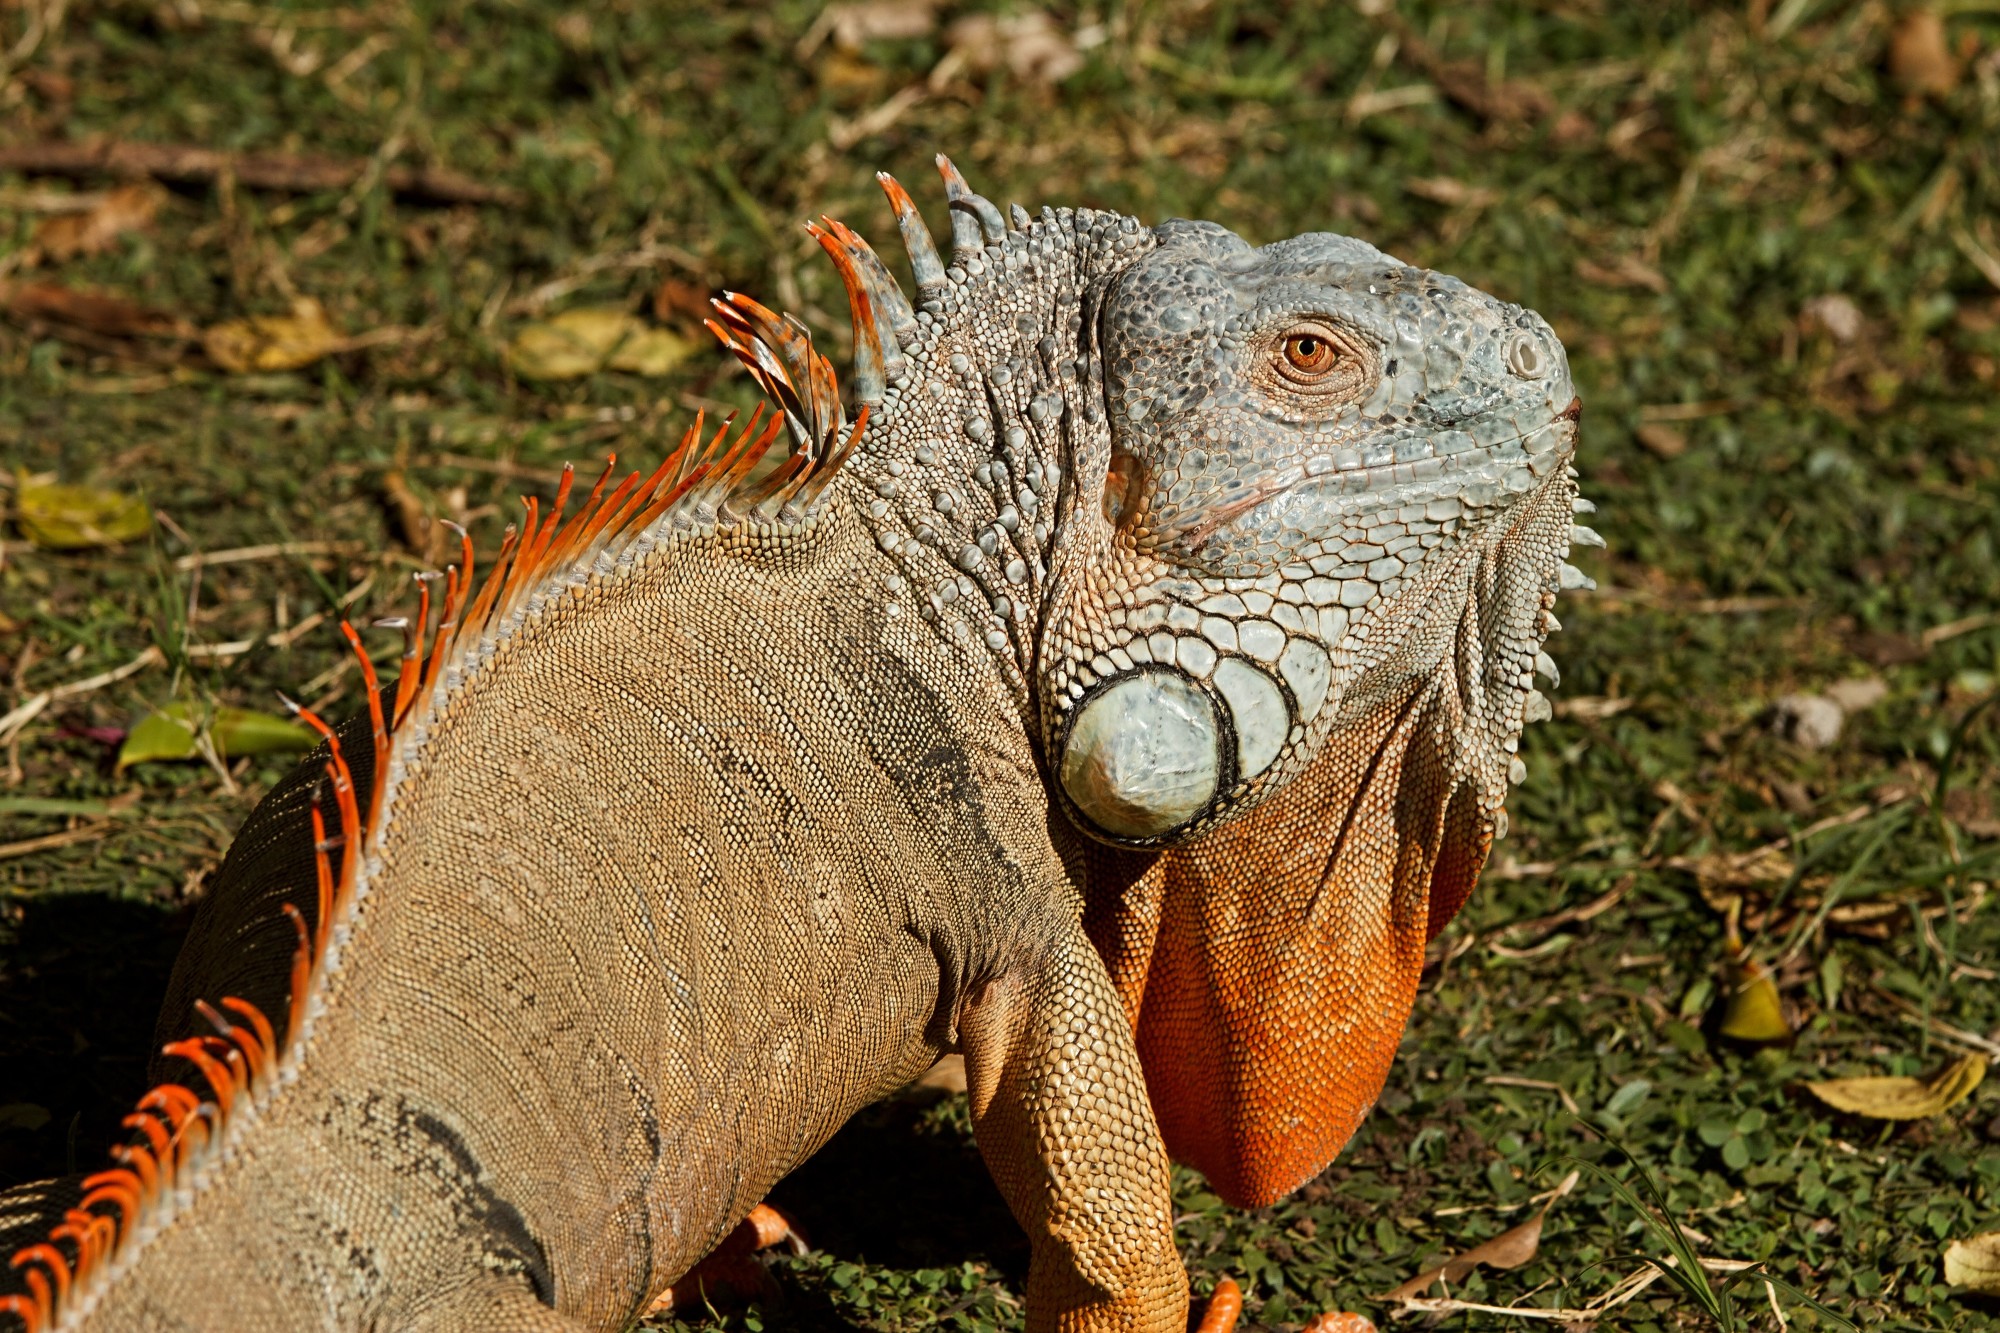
(1195, 527)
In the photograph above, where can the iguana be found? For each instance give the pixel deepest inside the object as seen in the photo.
(1120, 695)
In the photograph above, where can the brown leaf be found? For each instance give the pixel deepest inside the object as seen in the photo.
(1920, 59)
(1452, 193)
(93, 312)
(264, 344)
(1626, 271)
(1662, 441)
(1735, 870)
(1027, 42)
(1509, 1249)
(1834, 313)
(1974, 1263)
(128, 208)
(1903, 1098)
(682, 303)
(853, 25)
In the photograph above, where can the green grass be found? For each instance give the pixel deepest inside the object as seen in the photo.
(1697, 182)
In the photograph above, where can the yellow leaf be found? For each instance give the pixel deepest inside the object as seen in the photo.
(69, 518)
(588, 339)
(270, 343)
(1903, 1098)
(651, 352)
(1974, 1264)
(1752, 1012)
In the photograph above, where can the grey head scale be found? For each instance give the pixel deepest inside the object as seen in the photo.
(1330, 476)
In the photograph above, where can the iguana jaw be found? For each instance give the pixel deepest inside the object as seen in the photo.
(1269, 966)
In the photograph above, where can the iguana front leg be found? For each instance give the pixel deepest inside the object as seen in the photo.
(1060, 1111)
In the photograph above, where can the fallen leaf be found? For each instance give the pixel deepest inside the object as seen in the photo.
(588, 339)
(1836, 314)
(128, 208)
(1920, 59)
(1450, 192)
(1028, 43)
(678, 302)
(1974, 1263)
(1903, 1098)
(853, 25)
(1509, 1249)
(1752, 1012)
(265, 344)
(170, 734)
(1810, 721)
(1735, 870)
(94, 312)
(1662, 441)
(1627, 271)
(73, 518)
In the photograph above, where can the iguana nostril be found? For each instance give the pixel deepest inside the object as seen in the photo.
(1142, 758)
(1524, 358)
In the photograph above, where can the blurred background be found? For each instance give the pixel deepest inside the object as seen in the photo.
(281, 283)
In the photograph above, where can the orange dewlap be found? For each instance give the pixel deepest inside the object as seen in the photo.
(1270, 966)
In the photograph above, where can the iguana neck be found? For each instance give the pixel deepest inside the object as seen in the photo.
(970, 459)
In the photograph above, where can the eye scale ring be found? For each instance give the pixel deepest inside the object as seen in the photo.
(1315, 357)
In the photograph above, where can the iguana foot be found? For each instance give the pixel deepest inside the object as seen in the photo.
(731, 1275)
(1227, 1303)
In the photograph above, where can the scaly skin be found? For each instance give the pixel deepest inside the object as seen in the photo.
(723, 825)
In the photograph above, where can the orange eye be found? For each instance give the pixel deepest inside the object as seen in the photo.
(1310, 354)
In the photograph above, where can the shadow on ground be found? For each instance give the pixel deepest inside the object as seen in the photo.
(80, 987)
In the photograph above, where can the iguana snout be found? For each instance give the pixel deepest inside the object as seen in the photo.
(1300, 437)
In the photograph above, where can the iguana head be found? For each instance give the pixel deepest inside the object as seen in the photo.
(1302, 438)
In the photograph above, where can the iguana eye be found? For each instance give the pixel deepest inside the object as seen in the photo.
(1318, 359)
(1310, 354)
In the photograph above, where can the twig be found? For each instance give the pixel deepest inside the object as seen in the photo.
(645, 256)
(499, 467)
(292, 172)
(205, 652)
(31, 707)
(1916, 1017)
(1951, 629)
(50, 841)
(270, 550)
(1538, 1085)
